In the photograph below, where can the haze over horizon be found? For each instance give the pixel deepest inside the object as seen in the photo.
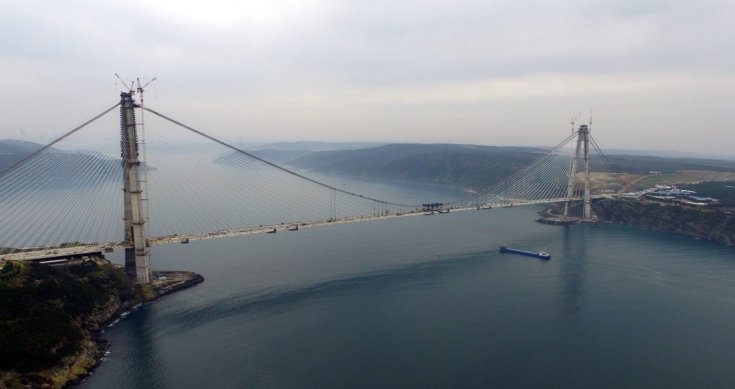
(658, 75)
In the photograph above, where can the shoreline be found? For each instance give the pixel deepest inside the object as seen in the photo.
(681, 234)
(182, 280)
(697, 224)
(92, 349)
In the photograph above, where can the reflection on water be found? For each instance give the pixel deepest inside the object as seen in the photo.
(574, 254)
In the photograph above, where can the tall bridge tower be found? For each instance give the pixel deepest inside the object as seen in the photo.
(583, 146)
(137, 255)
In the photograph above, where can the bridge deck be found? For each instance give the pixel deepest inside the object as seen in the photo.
(55, 254)
(46, 254)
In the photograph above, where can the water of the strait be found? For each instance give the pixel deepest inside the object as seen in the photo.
(427, 301)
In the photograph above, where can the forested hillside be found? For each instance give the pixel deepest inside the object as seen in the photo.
(473, 167)
(466, 166)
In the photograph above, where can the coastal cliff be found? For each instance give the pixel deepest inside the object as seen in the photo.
(704, 223)
(50, 317)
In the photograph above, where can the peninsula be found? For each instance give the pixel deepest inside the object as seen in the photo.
(51, 317)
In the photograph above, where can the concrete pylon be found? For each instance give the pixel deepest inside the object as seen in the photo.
(137, 255)
(584, 132)
(572, 176)
(583, 148)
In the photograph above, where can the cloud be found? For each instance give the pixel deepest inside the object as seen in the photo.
(371, 69)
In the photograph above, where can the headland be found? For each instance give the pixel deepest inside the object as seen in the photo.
(51, 318)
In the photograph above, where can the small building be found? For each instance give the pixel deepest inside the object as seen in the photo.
(699, 199)
(675, 192)
(658, 197)
(693, 203)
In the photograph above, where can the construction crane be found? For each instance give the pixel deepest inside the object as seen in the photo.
(140, 88)
(574, 119)
(129, 88)
(136, 86)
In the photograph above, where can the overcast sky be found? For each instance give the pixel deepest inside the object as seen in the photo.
(657, 74)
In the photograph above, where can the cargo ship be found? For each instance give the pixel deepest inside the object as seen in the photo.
(540, 254)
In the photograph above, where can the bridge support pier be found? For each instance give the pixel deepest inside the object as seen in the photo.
(137, 254)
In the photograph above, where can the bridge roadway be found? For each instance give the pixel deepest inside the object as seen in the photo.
(52, 255)
(352, 219)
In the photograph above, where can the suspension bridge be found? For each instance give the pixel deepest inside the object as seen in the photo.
(90, 190)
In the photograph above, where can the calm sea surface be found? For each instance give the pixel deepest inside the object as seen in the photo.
(427, 301)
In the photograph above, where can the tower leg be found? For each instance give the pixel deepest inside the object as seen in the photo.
(137, 257)
(572, 176)
(587, 215)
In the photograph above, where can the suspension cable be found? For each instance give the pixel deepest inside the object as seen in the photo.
(57, 140)
(223, 143)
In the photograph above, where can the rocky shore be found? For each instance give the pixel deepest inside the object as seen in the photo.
(712, 224)
(708, 223)
(85, 347)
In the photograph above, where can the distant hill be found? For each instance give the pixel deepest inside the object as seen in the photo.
(317, 146)
(471, 166)
(70, 167)
(283, 152)
(14, 146)
(672, 154)
(12, 150)
(465, 166)
(281, 156)
(645, 164)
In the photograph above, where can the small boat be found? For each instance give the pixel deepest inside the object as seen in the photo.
(185, 240)
(273, 231)
(443, 211)
(539, 254)
(109, 249)
(293, 228)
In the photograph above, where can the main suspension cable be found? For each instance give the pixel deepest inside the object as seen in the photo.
(223, 143)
